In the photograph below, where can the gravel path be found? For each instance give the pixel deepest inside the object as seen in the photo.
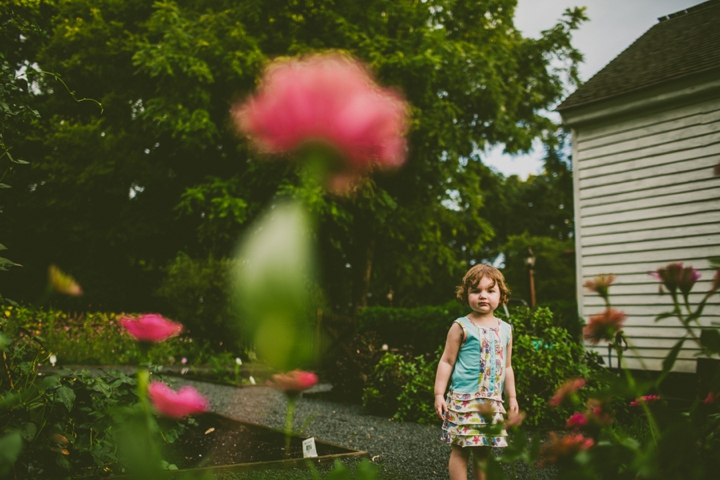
(402, 450)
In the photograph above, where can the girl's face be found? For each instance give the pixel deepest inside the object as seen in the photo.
(484, 297)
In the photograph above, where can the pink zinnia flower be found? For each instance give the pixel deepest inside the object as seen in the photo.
(294, 382)
(62, 282)
(559, 448)
(600, 284)
(711, 398)
(150, 327)
(569, 387)
(180, 404)
(576, 421)
(329, 99)
(674, 276)
(604, 326)
(649, 399)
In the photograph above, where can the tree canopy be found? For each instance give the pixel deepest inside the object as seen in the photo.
(114, 197)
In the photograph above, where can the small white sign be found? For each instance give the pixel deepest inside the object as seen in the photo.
(308, 447)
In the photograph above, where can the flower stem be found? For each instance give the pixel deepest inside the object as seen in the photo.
(288, 423)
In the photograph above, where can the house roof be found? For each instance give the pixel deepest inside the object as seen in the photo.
(681, 44)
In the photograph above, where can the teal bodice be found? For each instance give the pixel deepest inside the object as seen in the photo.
(480, 364)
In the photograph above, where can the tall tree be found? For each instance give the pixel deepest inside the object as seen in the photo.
(114, 197)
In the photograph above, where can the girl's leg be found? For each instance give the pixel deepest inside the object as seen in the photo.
(479, 455)
(458, 462)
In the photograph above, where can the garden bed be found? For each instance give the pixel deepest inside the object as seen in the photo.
(223, 444)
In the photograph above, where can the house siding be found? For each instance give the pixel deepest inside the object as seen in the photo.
(646, 196)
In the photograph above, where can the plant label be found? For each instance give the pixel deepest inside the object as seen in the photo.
(308, 447)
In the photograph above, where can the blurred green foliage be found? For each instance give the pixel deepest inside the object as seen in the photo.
(115, 196)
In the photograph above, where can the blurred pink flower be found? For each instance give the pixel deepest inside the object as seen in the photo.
(674, 276)
(711, 398)
(569, 387)
(514, 419)
(294, 382)
(180, 404)
(62, 282)
(150, 327)
(648, 399)
(600, 284)
(576, 421)
(331, 99)
(559, 448)
(604, 326)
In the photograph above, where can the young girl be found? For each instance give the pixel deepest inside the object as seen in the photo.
(477, 355)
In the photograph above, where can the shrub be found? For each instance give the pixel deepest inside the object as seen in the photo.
(350, 364)
(544, 356)
(419, 330)
(197, 293)
(94, 338)
(59, 426)
(402, 386)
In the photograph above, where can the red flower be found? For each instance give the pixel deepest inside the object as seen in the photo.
(648, 399)
(294, 382)
(180, 404)
(150, 327)
(600, 284)
(569, 387)
(329, 99)
(576, 421)
(604, 326)
(711, 398)
(559, 448)
(674, 276)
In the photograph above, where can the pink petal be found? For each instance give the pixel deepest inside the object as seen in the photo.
(187, 401)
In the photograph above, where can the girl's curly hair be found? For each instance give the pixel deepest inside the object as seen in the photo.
(473, 277)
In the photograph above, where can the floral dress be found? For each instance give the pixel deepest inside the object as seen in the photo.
(475, 397)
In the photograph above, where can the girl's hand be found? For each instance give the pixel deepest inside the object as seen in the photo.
(512, 405)
(440, 406)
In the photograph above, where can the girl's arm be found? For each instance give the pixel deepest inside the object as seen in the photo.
(446, 366)
(510, 380)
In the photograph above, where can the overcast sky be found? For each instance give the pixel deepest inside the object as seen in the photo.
(613, 26)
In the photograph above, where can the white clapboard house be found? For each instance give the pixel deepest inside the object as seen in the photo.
(646, 136)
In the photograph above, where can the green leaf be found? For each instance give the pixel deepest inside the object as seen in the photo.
(10, 447)
(5, 264)
(4, 185)
(671, 357)
(2, 247)
(28, 431)
(710, 340)
(665, 315)
(19, 162)
(66, 395)
(339, 472)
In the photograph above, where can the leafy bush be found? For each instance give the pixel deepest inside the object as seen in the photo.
(197, 293)
(544, 356)
(419, 330)
(402, 386)
(59, 426)
(349, 366)
(94, 338)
